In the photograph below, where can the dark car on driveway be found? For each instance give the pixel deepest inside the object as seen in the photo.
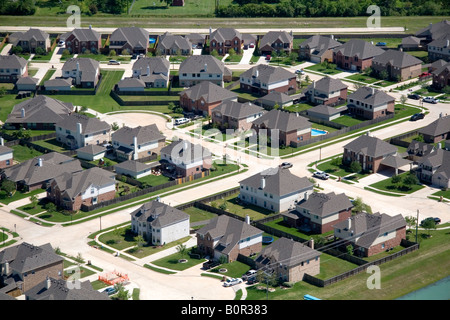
(417, 116)
(436, 220)
(210, 264)
(414, 96)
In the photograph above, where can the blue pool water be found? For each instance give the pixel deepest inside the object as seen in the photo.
(152, 40)
(317, 132)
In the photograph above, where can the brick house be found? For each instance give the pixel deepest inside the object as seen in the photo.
(434, 168)
(326, 91)
(397, 65)
(200, 68)
(439, 49)
(370, 103)
(319, 212)
(170, 44)
(6, 156)
(263, 79)
(228, 237)
(30, 40)
(368, 151)
(290, 127)
(441, 77)
(235, 115)
(318, 48)
(437, 131)
(203, 97)
(12, 68)
(355, 55)
(79, 40)
(84, 72)
(153, 72)
(88, 187)
(279, 41)
(132, 39)
(289, 259)
(24, 266)
(224, 39)
(371, 233)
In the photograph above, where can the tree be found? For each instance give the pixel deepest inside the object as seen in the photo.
(122, 293)
(112, 53)
(396, 179)
(355, 167)
(115, 126)
(2, 91)
(9, 187)
(360, 206)
(410, 221)
(403, 99)
(181, 249)
(167, 2)
(139, 241)
(350, 249)
(50, 207)
(231, 52)
(34, 200)
(411, 180)
(17, 50)
(40, 51)
(429, 224)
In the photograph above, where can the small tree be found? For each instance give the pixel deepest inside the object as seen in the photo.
(350, 249)
(34, 200)
(223, 206)
(396, 179)
(360, 206)
(231, 52)
(115, 126)
(411, 221)
(181, 249)
(403, 99)
(122, 293)
(40, 51)
(139, 241)
(112, 53)
(355, 167)
(9, 187)
(410, 180)
(50, 207)
(429, 224)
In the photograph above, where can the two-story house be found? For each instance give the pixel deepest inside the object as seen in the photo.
(327, 91)
(263, 79)
(170, 44)
(6, 155)
(30, 40)
(235, 115)
(224, 39)
(12, 68)
(79, 40)
(131, 39)
(153, 72)
(437, 131)
(279, 41)
(441, 77)
(397, 65)
(196, 69)
(439, 49)
(77, 131)
(84, 72)
(318, 48)
(370, 103)
(434, 168)
(355, 55)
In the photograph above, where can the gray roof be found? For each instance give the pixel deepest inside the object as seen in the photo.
(437, 127)
(72, 185)
(440, 159)
(359, 48)
(435, 30)
(58, 83)
(87, 34)
(278, 97)
(411, 40)
(132, 165)
(278, 181)
(368, 227)
(282, 120)
(237, 110)
(30, 34)
(325, 110)
(85, 64)
(88, 124)
(228, 231)
(419, 148)
(195, 37)
(134, 36)
(328, 84)
(287, 252)
(26, 257)
(439, 63)
(371, 146)
(131, 83)
(397, 58)
(58, 290)
(444, 68)
(323, 205)
(5, 149)
(197, 63)
(183, 151)
(209, 91)
(27, 80)
(155, 65)
(12, 62)
(143, 134)
(268, 74)
(320, 44)
(224, 34)
(92, 149)
(53, 165)
(40, 109)
(370, 96)
(169, 41)
(395, 161)
(270, 37)
(159, 214)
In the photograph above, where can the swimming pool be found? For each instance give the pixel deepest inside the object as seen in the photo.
(151, 40)
(317, 132)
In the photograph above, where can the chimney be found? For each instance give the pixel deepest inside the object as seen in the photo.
(448, 43)
(148, 70)
(2, 141)
(306, 196)
(40, 162)
(372, 89)
(311, 243)
(368, 133)
(79, 128)
(256, 73)
(348, 224)
(6, 269)
(332, 36)
(48, 283)
(292, 34)
(22, 112)
(90, 26)
(135, 143)
(206, 67)
(263, 183)
(185, 145)
(247, 219)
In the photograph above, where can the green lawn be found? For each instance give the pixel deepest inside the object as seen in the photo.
(7, 102)
(340, 170)
(331, 266)
(193, 8)
(278, 224)
(234, 269)
(298, 107)
(347, 120)
(445, 194)
(52, 144)
(171, 262)
(153, 180)
(321, 68)
(47, 75)
(197, 214)
(390, 42)
(18, 195)
(234, 58)
(23, 153)
(362, 78)
(119, 239)
(388, 185)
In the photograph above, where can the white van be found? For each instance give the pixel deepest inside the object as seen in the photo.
(181, 121)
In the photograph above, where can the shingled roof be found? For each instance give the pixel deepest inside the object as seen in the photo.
(437, 127)
(144, 134)
(370, 96)
(12, 62)
(30, 34)
(371, 146)
(328, 84)
(88, 124)
(397, 59)
(320, 44)
(270, 37)
(183, 151)
(158, 214)
(86, 34)
(267, 74)
(169, 41)
(151, 65)
(282, 120)
(197, 64)
(323, 205)
(435, 30)
(134, 36)
(224, 34)
(359, 48)
(237, 110)
(209, 91)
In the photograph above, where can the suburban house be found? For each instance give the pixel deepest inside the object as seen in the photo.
(436, 65)
(134, 169)
(441, 77)
(77, 131)
(235, 115)
(319, 212)
(59, 84)
(289, 260)
(30, 40)
(275, 189)
(434, 168)
(85, 72)
(369, 152)
(417, 150)
(200, 68)
(38, 113)
(132, 39)
(196, 39)
(355, 55)
(437, 131)
(27, 84)
(88, 187)
(91, 152)
(169, 44)
(263, 79)
(439, 49)
(131, 84)
(12, 68)
(290, 127)
(136, 143)
(397, 65)
(279, 41)
(411, 43)
(159, 223)
(6, 156)
(153, 71)
(24, 266)
(326, 91)
(79, 40)
(224, 39)
(370, 234)
(36, 173)
(434, 31)
(58, 289)
(228, 237)
(370, 103)
(318, 48)
(184, 158)
(270, 100)
(205, 96)
(327, 113)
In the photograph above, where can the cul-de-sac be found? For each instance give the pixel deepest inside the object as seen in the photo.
(224, 150)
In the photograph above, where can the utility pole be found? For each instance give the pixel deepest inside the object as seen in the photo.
(417, 224)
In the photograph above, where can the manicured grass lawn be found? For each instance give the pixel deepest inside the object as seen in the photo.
(5, 199)
(445, 194)
(234, 58)
(427, 92)
(52, 144)
(33, 133)
(235, 269)
(244, 94)
(28, 208)
(7, 102)
(347, 120)
(321, 68)
(103, 57)
(47, 75)
(171, 262)
(23, 153)
(153, 180)
(83, 272)
(278, 224)
(388, 185)
(119, 239)
(339, 171)
(362, 78)
(298, 107)
(193, 8)
(390, 42)
(197, 214)
(331, 266)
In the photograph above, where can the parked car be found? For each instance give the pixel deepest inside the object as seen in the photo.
(380, 44)
(249, 274)
(251, 45)
(430, 100)
(110, 291)
(134, 56)
(231, 282)
(436, 220)
(286, 165)
(61, 43)
(300, 71)
(414, 96)
(210, 264)
(268, 57)
(417, 116)
(322, 175)
(114, 62)
(425, 74)
(252, 280)
(181, 121)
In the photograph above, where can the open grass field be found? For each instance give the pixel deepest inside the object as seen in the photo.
(192, 8)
